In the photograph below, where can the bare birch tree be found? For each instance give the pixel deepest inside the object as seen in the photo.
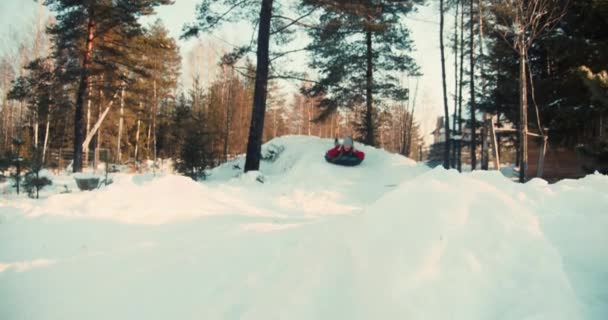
(522, 22)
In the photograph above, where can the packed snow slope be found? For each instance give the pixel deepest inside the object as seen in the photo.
(390, 239)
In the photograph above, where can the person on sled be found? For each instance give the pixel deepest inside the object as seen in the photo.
(345, 154)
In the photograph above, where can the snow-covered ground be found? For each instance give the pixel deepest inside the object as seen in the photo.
(390, 239)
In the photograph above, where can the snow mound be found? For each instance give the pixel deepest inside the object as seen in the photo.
(301, 179)
(477, 248)
(390, 239)
(144, 199)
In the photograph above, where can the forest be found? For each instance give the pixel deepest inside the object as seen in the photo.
(93, 83)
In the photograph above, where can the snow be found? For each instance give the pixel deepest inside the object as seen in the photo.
(21, 266)
(390, 239)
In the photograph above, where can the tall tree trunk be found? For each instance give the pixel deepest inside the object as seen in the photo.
(46, 136)
(98, 140)
(460, 87)
(369, 121)
(405, 148)
(149, 135)
(120, 121)
(516, 142)
(6, 112)
(223, 98)
(485, 153)
(24, 60)
(331, 125)
(523, 111)
(154, 112)
(81, 94)
(454, 152)
(301, 109)
(86, 148)
(137, 132)
(309, 122)
(254, 144)
(446, 149)
(275, 124)
(11, 121)
(472, 87)
(228, 116)
(100, 118)
(20, 126)
(36, 127)
(410, 133)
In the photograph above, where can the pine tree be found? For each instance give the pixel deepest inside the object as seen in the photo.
(81, 30)
(357, 49)
(160, 60)
(195, 133)
(194, 156)
(40, 90)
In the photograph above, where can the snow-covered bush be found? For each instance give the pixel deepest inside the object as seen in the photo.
(272, 152)
(33, 183)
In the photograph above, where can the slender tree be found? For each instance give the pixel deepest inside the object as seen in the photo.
(355, 43)
(522, 23)
(472, 110)
(454, 161)
(485, 129)
(446, 112)
(208, 19)
(256, 129)
(460, 87)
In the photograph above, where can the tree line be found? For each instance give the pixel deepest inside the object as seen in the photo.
(109, 83)
(107, 87)
(532, 70)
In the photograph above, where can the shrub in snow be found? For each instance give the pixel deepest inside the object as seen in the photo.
(15, 175)
(595, 157)
(16, 161)
(34, 181)
(15, 164)
(196, 153)
(272, 152)
(4, 165)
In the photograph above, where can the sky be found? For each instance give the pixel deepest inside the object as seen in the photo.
(16, 15)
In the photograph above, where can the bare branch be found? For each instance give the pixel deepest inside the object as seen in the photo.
(237, 69)
(295, 21)
(282, 54)
(532, 17)
(238, 4)
(291, 77)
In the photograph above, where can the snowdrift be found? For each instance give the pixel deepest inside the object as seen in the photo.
(390, 239)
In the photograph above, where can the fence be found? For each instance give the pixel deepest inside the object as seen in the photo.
(62, 158)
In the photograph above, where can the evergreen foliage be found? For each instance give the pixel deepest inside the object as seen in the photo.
(359, 48)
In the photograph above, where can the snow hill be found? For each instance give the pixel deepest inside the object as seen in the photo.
(390, 239)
